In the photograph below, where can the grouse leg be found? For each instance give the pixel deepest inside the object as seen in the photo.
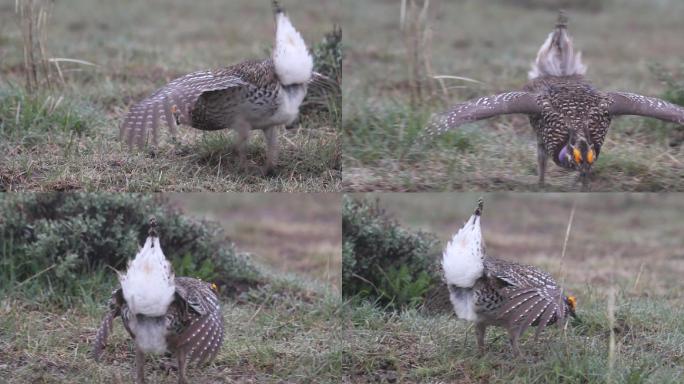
(182, 365)
(514, 334)
(541, 161)
(139, 366)
(243, 129)
(480, 329)
(271, 137)
(584, 178)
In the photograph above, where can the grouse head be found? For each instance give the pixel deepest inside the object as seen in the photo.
(579, 154)
(570, 305)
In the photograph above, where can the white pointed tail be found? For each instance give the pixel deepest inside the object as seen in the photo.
(292, 60)
(148, 284)
(462, 260)
(557, 56)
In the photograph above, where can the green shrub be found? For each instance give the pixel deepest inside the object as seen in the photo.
(324, 98)
(381, 261)
(328, 55)
(674, 93)
(61, 244)
(674, 84)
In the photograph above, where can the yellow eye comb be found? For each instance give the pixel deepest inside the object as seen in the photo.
(577, 155)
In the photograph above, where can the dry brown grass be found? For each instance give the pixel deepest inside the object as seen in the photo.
(33, 17)
(291, 233)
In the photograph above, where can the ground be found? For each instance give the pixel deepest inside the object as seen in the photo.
(284, 331)
(624, 246)
(494, 44)
(67, 138)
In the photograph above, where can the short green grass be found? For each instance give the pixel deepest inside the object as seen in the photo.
(67, 138)
(628, 244)
(281, 332)
(494, 43)
(412, 347)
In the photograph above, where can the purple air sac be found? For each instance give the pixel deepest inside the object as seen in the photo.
(563, 156)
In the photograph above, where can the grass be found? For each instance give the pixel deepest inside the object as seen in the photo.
(280, 332)
(412, 347)
(380, 128)
(66, 137)
(284, 330)
(622, 243)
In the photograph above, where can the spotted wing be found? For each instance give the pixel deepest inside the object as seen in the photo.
(624, 103)
(530, 295)
(180, 95)
(483, 108)
(115, 304)
(517, 275)
(203, 337)
(528, 306)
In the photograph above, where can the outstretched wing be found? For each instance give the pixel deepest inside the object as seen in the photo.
(204, 335)
(177, 97)
(528, 306)
(115, 304)
(483, 108)
(624, 103)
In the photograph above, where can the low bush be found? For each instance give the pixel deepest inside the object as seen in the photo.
(59, 246)
(674, 93)
(324, 98)
(383, 262)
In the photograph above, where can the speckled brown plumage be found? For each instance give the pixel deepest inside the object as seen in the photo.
(504, 293)
(251, 95)
(570, 116)
(568, 105)
(515, 297)
(196, 307)
(192, 325)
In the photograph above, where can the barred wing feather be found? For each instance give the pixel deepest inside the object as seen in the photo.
(181, 93)
(528, 306)
(204, 336)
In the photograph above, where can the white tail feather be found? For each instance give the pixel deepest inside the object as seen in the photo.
(462, 260)
(148, 284)
(557, 59)
(292, 60)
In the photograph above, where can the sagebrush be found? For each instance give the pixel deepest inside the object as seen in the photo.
(64, 244)
(382, 261)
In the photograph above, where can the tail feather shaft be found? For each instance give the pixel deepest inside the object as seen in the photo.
(557, 56)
